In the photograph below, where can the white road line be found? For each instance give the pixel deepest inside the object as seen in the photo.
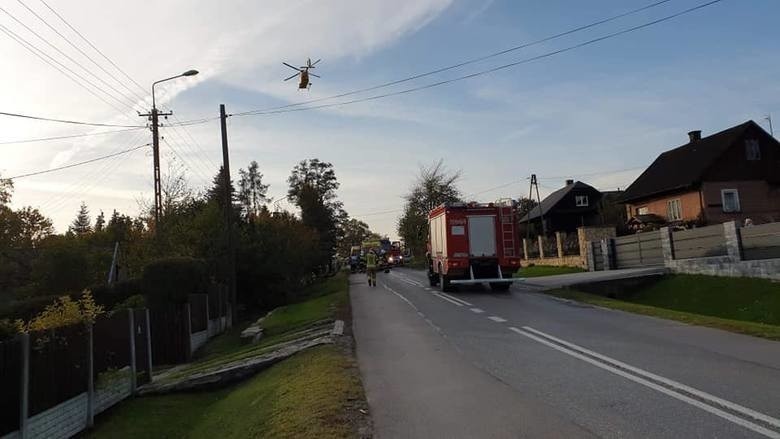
(401, 296)
(446, 298)
(694, 402)
(456, 299)
(703, 395)
(427, 289)
(497, 319)
(477, 310)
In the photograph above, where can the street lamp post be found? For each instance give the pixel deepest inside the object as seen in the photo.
(154, 116)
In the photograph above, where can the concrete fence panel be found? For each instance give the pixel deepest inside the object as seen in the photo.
(761, 242)
(639, 250)
(699, 243)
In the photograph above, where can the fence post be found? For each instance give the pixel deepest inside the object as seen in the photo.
(149, 345)
(667, 245)
(188, 327)
(131, 320)
(559, 244)
(540, 242)
(606, 253)
(90, 378)
(591, 256)
(733, 241)
(525, 249)
(24, 391)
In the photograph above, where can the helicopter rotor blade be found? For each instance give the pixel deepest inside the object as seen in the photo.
(315, 62)
(312, 74)
(291, 66)
(291, 77)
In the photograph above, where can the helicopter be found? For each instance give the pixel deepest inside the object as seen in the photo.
(303, 72)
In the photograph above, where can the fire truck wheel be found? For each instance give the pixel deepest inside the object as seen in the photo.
(444, 283)
(500, 286)
(433, 280)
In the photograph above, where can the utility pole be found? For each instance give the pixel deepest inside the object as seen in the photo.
(535, 184)
(154, 118)
(228, 210)
(769, 119)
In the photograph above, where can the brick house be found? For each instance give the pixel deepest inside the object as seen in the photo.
(730, 175)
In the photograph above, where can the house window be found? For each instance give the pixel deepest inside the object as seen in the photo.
(730, 198)
(674, 210)
(642, 210)
(752, 149)
(581, 200)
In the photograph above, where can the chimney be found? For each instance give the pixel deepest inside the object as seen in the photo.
(694, 136)
(568, 182)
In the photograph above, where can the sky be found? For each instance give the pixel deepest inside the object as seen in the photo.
(599, 114)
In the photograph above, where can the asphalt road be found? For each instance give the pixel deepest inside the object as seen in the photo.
(520, 364)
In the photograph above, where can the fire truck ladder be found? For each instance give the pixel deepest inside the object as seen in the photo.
(508, 230)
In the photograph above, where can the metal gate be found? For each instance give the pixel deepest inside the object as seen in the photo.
(598, 256)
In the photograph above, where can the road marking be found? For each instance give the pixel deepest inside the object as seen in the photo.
(401, 296)
(427, 289)
(477, 310)
(541, 338)
(701, 394)
(456, 299)
(446, 298)
(497, 319)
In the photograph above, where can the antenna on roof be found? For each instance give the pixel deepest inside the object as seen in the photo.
(768, 118)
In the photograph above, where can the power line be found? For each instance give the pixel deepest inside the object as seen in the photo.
(69, 136)
(484, 72)
(471, 61)
(43, 56)
(68, 57)
(73, 122)
(30, 174)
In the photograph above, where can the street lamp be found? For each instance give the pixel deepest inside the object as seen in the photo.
(156, 148)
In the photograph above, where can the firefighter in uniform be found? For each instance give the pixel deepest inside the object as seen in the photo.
(371, 267)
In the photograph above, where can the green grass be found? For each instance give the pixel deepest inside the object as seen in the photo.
(743, 305)
(546, 270)
(312, 394)
(307, 395)
(283, 325)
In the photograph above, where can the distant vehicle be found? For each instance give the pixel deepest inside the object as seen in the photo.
(355, 259)
(395, 255)
(303, 72)
(472, 243)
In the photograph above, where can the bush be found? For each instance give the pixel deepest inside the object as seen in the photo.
(110, 295)
(169, 281)
(25, 308)
(132, 302)
(8, 328)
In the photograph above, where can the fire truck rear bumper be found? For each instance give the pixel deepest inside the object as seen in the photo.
(496, 280)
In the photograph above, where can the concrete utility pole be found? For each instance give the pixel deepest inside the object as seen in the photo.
(228, 211)
(535, 184)
(154, 117)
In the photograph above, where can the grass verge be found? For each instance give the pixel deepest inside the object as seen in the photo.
(316, 393)
(308, 395)
(756, 329)
(546, 270)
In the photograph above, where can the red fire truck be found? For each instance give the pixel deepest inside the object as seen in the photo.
(472, 243)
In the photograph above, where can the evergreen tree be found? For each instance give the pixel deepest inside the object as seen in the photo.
(251, 190)
(82, 224)
(100, 222)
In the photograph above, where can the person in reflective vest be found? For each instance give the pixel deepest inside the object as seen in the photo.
(371, 267)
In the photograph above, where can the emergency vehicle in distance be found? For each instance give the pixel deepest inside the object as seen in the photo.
(472, 243)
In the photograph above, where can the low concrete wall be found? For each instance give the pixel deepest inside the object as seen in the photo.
(68, 418)
(565, 261)
(725, 266)
(198, 339)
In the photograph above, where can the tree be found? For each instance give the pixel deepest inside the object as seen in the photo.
(251, 190)
(524, 206)
(6, 188)
(100, 222)
(434, 186)
(82, 224)
(34, 226)
(354, 232)
(216, 193)
(313, 187)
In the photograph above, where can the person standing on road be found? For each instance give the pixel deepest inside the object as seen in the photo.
(371, 267)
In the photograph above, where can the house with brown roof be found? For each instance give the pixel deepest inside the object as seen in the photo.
(575, 204)
(730, 175)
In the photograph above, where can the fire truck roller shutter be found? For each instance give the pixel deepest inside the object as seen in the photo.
(482, 235)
